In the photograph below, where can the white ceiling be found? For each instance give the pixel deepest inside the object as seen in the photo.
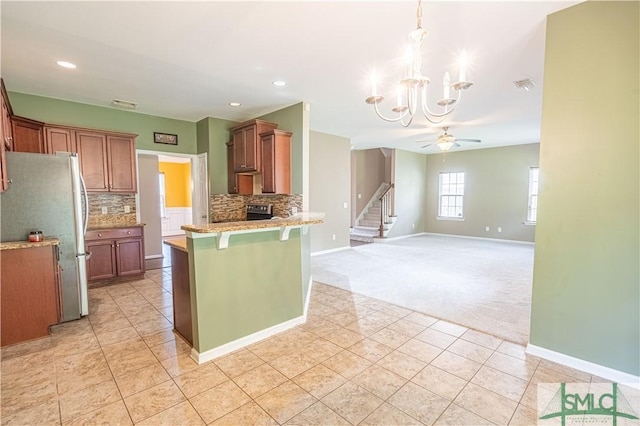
(188, 60)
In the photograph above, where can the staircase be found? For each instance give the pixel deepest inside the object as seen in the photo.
(367, 228)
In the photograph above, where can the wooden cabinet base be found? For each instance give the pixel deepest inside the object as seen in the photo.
(181, 294)
(30, 293)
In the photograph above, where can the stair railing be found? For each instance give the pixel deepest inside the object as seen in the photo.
(385, 208)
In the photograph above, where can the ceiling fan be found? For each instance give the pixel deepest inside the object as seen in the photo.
(445, 141)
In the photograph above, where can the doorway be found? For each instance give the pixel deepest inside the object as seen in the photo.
(173, 191)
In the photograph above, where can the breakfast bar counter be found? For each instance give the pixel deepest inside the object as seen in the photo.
(247, 280)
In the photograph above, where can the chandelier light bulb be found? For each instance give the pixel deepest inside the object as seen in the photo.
(464, 62)
(374, 83)
(446, 81)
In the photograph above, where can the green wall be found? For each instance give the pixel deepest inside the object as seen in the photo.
(329, 190)
(295, 119)
(410, 193)
(58, 111)
(213, 135)
(232, 298)
(586, 291)
(495, 195)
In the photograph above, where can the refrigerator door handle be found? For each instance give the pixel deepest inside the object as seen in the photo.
(86, 204)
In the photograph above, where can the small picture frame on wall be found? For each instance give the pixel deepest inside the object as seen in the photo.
(165, 138)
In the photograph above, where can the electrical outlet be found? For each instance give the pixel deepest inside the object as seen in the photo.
(294, 210)
(104, 210)
(499, 229)
(127, 209)
(359, 195)
(346, 206)
(487, 228)
(413, 225)
(334, 237)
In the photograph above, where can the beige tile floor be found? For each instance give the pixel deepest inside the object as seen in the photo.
(356, 361)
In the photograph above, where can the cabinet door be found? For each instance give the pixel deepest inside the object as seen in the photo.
(130, 257)
(232, 177)
(238, 151)
(121, 158)
(27, 135)
(57, 139)
(4, 180)
(101, 264)
(29, 303)
(268, 166)
(92, 152)
(7, 131)
(251, 153)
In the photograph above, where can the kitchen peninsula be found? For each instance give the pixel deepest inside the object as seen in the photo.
(247, 280)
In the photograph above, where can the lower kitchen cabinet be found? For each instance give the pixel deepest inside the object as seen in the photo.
(115, 253)
(30, 287)
(181, 293)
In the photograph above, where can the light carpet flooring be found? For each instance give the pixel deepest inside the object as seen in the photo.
(481, 284)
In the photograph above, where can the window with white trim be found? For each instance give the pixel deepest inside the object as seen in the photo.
(451, 195)
(532, 211)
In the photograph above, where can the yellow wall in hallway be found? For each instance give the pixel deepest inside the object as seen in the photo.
(177, 177)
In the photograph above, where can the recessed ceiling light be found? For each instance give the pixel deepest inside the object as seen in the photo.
(65, 64)
(279, 83)
(234, 104)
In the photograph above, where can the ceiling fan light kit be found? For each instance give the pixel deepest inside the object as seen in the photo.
(411, 91)
(446, 141)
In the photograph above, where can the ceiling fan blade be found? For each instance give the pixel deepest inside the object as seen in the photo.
(429, 144)
(430, 141)
(468, 140)
(456, 144)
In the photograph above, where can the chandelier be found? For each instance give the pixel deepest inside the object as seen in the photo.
(411, 90)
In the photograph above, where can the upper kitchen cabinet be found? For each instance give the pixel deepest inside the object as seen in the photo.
(121, 161)
(276, 162)
(92, 152)
(59, 139)
(6, 135)
(107, 159)
(247, 146)
(28, 135)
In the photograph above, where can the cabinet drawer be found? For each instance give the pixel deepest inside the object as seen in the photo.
(115, 233)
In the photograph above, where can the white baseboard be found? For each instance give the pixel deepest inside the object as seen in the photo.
(401, 237)
(318, 253)
(227, 348)
(480, 238)
(586, 366)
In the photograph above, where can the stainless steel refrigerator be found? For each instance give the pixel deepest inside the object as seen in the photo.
(46, 194)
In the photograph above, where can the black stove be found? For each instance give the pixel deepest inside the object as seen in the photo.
(259, 211)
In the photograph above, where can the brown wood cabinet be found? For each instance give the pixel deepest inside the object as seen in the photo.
(247, 146)
(6, 135)
(107, 159)
(30, 287)
(115, 253)
(181, 292)
(59, 139)
(276, 161)
(28, 135)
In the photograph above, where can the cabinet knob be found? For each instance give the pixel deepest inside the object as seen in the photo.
(129, 232)
(99, 235)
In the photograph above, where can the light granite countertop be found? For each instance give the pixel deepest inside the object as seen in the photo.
(300, 219)
(12, 245)
(179, 243)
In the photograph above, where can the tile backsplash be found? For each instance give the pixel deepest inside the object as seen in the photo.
(228, 207)
(115, 210)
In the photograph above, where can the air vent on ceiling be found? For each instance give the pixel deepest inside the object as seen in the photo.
(526, 84)
(118, 103)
